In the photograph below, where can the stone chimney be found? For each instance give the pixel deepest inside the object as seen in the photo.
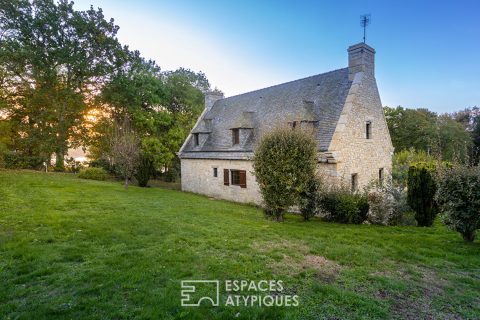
(211, 97)
(361, 58)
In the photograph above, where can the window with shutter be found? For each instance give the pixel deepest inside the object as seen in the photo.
(235, 177)
(226, 177)
(243, 178)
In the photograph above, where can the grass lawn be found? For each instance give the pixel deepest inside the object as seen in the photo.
(78, 249)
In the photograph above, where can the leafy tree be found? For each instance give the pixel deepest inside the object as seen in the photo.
(162, 107)
(411, 128)
(469, 118)
(426, 131)
(284, 164)
(454, 140)
(421, 193)
(185, 101)
(459, 198)
(53, 60)
(139, 93)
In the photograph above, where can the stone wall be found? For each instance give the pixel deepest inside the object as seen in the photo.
(197, 177)
(355, 153)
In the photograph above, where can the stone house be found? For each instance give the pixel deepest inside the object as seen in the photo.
(343, 108)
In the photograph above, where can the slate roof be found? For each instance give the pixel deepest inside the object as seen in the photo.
(317, 99)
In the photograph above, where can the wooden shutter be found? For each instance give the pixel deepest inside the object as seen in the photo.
(243, 178)
(226, 177)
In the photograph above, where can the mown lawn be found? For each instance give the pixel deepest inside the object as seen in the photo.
(77, 249)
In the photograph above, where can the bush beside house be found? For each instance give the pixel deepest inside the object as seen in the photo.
(421, 192)
(459, 199)
(284, 164)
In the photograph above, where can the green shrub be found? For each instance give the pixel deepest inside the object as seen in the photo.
(309, 201)
(342, 206)
(408, 219)
(13, 160)
(145, 170)
(284, 163)
(172, 174)
(402, 161)
(73, 166)
(388, 205)
(421, 192)
(93, 174)
(104, 164)
(459, 198)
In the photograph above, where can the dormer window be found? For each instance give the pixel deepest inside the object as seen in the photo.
(235, 136)
(196, 139)
(368, 130)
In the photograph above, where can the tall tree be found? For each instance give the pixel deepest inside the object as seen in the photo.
(422, 129)
(53, 61)
(470, 120)
(411, 128)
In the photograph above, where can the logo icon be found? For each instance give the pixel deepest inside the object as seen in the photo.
(195, 291)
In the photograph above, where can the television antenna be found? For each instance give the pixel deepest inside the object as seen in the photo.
(365, 20)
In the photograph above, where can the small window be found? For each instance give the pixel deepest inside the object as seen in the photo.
(368, 130)
(239, 178)
(380, 176)
(196, 140)
(215, 172)
(354, 182)
(235, 136)
(235, 177)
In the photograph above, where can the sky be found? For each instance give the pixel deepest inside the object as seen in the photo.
(428, 52)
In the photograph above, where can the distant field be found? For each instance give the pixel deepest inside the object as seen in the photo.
(78, 249)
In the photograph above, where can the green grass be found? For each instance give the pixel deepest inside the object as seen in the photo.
(78, 249)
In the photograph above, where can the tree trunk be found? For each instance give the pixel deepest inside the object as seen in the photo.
(279, 215)
(126, 182)
(469, 236)
(59, 161)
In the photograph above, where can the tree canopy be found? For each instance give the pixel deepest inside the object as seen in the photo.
(442, 136)
(66, 81)
(53, 60)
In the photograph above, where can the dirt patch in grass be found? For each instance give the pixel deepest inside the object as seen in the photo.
(327, 271)
(281, 245)
(292, 258)
(324, 270)
(417, 301)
